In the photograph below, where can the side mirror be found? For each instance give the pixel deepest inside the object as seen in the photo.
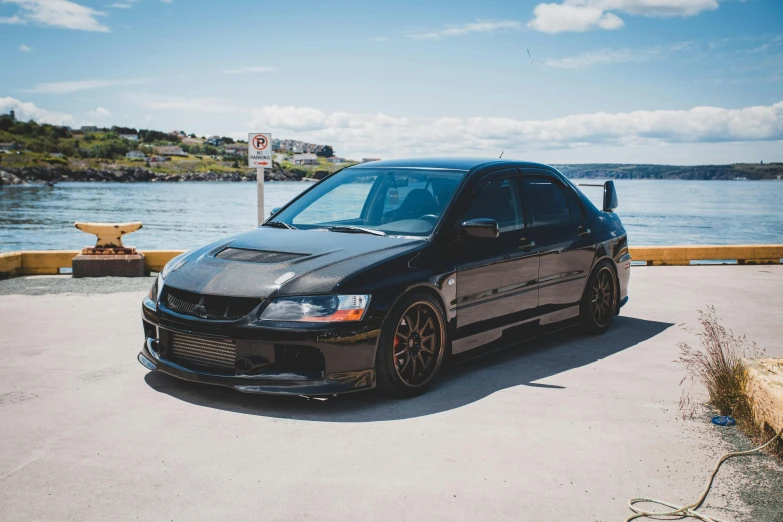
(610, 196)
(274, 211)
(482, 227)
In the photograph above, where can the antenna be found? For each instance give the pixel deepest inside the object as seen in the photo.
(531, 57)
(501, 154)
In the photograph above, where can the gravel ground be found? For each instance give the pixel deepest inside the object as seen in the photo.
(63, 284)
(758, 479)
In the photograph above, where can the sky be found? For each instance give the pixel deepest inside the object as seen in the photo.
(605, 81)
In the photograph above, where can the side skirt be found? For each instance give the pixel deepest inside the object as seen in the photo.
(514, 335)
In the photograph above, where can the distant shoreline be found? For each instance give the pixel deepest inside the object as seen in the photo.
(127, 174)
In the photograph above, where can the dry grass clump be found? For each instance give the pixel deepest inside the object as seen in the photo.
(715, 363)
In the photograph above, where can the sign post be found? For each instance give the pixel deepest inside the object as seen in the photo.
(259, 155)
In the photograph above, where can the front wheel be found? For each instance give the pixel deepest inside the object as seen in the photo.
(599, 301)
(412, 346)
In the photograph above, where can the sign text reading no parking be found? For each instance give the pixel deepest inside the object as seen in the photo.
(259, 150)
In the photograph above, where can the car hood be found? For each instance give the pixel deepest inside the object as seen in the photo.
(248, 264)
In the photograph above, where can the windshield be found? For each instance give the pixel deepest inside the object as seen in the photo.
(404, 202)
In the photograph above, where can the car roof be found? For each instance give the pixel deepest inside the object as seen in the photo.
(446, 163)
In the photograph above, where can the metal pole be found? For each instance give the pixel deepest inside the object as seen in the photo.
(260, 186)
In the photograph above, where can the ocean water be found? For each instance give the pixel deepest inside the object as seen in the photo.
(189, 214)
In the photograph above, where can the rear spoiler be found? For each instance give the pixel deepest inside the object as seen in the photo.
(610, 194)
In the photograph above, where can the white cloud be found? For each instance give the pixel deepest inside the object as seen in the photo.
(28, 111)
(249, 69)
(99, 113)
(479, 26)
(56, 13)
(178, 103)
(119, 6)
(584, 15)
(399, 136)
(24, 48)
(607, 56)
(11, 20)
(81, 85)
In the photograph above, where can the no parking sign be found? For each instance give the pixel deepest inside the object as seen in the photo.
(259, 150)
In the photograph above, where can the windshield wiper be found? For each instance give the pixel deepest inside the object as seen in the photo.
(356, 230)
(279, 224)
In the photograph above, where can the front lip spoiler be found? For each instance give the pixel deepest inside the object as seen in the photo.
(285, 384)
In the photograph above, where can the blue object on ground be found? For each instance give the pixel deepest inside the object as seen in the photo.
(721, 420)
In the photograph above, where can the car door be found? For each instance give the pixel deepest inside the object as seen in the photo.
(557, 225)
(496, 277)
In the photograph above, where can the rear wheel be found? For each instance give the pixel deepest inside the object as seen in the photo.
(412, 346)
(599, 301)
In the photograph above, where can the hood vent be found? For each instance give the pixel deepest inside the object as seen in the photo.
(256, 256)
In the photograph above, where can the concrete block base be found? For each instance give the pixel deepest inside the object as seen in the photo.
(126, 265)
(765, 388)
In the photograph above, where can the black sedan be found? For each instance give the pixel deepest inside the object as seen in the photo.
(381, 273)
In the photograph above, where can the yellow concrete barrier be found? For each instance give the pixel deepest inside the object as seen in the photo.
(51, 261)
(683, 255)
(47, 262)
(10, 264)
(155, 260)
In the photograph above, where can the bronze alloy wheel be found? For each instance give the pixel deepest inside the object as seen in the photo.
(602, 297)
(418, 344)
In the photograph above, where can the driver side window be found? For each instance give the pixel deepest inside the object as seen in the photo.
(498, 200)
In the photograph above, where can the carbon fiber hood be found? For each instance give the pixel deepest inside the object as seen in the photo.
(327, 258)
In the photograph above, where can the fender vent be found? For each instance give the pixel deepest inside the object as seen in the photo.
(256, 256)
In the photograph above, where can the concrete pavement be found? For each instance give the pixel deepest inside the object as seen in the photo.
(566, 428)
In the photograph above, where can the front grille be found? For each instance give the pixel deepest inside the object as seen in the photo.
(256, 256)
(208, 306)
(200, 353)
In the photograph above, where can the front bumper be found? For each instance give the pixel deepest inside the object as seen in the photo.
(348, 362)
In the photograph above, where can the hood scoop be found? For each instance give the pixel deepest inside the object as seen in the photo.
(246, 255)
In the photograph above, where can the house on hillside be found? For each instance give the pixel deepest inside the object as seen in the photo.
(8, 146)
(158, 159)
(307, 158)
(169, 150)
(89, 128)
(215, 141)
(135, 154)
(130, 137)
(335, 159)
(236, 149)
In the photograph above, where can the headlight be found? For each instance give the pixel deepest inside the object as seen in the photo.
(320, 308)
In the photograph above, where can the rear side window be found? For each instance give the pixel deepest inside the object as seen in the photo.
(547, 200)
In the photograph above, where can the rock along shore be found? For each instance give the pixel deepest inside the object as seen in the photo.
(122, 174)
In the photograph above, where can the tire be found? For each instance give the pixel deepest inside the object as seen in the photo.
(412, 346)
(599, 301)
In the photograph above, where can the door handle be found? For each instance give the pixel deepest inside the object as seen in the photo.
(582, 231)
(526, 244)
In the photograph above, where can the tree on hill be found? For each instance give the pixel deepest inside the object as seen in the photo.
(124, 130)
